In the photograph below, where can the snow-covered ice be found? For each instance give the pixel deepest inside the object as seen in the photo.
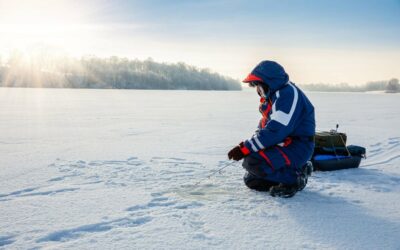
(116, 169)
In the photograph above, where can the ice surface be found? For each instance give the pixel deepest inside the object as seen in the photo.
(116, 169)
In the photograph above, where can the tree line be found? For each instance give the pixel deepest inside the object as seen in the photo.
(113, 72)
(391, 86)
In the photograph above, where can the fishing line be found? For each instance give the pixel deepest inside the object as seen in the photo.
(215, 172)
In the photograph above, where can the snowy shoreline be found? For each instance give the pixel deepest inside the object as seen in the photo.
(245, 89)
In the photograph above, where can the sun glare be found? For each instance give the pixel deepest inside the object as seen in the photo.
(54, 23)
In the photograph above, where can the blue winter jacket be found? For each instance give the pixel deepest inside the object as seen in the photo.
(289, 122)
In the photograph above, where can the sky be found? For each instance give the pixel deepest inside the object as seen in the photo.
(329, 41)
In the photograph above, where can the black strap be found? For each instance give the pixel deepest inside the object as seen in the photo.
(310, 138)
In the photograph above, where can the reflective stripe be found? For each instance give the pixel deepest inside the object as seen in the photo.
(252, 146)
(259, 144)
(280, 116)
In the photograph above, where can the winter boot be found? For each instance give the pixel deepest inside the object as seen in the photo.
(283, 190)
(256, 183)
(303, 176)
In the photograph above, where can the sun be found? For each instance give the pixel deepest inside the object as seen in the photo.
(54, 23)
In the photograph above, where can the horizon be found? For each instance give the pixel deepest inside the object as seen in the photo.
(327, 42)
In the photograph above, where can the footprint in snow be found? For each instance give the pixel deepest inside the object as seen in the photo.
(384, 149)
(109, 172)
(81, 231)
(174, 161)
(19, 192)
(6, 240)
(159, 201)
(28, 192)
(154, 203)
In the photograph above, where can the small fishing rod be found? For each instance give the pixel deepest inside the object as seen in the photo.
(215, 172)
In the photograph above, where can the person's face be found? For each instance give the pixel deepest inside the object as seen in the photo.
(260, 89)
(253, 84)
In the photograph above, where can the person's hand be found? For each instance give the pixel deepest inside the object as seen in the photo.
(235, 154)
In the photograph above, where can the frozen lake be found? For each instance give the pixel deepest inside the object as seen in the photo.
(115, 169)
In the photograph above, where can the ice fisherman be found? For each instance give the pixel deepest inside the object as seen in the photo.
(276, 156)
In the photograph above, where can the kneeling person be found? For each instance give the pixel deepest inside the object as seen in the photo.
(276, 156)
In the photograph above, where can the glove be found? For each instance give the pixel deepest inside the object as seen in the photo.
(237, 153)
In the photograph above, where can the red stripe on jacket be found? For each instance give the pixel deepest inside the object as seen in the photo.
(265, 113)
(287, 160)
(263, 155)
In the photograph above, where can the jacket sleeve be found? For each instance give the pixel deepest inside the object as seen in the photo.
(285, 111)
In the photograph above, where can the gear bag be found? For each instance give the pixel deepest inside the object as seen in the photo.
(330, 139)
(331, 152)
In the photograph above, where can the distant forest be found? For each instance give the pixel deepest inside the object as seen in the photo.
(391, 86)
(50, 71)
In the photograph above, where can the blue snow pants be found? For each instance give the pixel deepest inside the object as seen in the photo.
(278, 164)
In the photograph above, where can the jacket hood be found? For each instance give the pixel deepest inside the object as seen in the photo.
(272, 74)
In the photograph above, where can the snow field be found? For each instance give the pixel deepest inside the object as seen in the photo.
(87, 169)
